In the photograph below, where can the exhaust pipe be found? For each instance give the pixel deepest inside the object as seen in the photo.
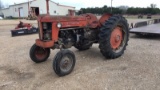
(47, 6)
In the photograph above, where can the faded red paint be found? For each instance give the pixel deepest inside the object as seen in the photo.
(23, 25)
(55, 32)
(116, 38)
(40, 53)
(104, 18)
(86, 20)
(66, 21)
(44, 44)
(91, 19)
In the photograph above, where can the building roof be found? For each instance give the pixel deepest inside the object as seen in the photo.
(36, 0)
(61, 4)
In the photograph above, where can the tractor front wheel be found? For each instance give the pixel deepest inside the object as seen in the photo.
(39, 54)
(64, 62)
(113, 37)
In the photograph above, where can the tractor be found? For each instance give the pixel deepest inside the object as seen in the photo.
(63, 32)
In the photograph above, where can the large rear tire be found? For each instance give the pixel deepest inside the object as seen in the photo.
(39, 54)
(114, 36)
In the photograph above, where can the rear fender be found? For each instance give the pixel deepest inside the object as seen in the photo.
(91, 20)
(104, 17)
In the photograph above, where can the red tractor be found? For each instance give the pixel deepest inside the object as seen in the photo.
(62, 32)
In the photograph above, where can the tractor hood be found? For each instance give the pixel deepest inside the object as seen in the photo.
(50, 18)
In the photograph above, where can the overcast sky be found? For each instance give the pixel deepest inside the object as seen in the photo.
(97, 3)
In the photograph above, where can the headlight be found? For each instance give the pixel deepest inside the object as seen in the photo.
(59, 25)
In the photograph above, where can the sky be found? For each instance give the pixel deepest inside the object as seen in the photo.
(96, 3)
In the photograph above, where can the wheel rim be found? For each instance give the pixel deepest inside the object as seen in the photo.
(66, 63)
(40, 53)
(116, 38)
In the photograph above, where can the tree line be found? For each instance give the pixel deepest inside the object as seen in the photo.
(100, 10)
(121, 10)
(148, 10)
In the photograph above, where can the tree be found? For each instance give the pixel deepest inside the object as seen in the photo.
(147, 10)
(100, 10)
(122, 10)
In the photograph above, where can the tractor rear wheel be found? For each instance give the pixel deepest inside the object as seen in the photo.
(114, 36)
(39, 54)
(64, 62)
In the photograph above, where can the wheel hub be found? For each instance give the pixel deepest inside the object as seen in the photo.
(40, 53)
(66, 64)
(116, 38)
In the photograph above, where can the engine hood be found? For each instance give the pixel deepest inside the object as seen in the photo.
(50, 18)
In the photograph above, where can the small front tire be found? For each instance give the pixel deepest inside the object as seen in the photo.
(39, 54)
(64, 62)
